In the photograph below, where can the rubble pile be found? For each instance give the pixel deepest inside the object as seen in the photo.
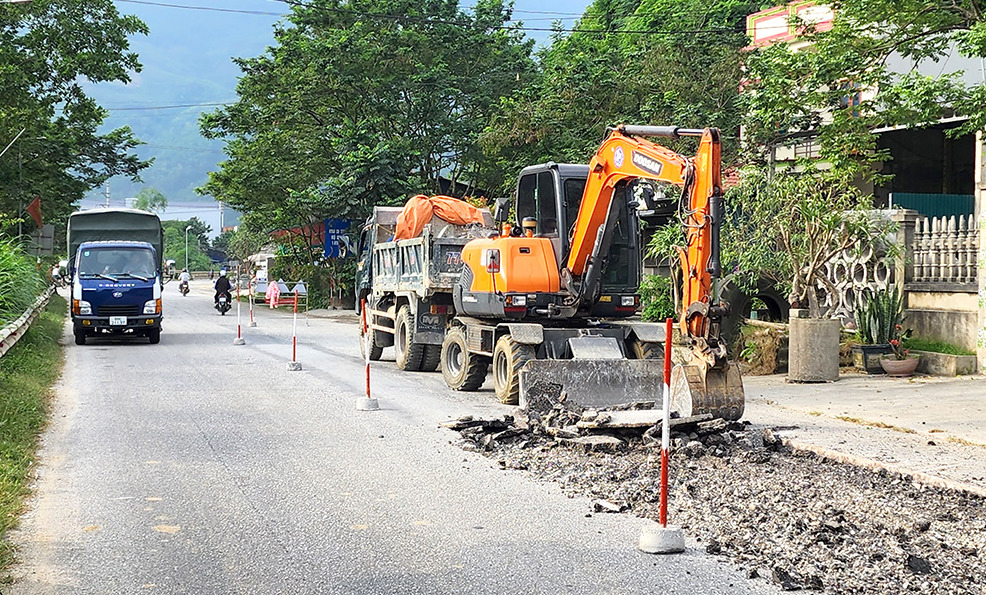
(789, 517)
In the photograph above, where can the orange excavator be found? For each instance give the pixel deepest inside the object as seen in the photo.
(552, 299)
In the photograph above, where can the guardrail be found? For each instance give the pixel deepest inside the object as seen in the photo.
(12, 333)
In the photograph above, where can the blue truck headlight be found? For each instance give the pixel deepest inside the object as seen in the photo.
(85, 308)
(151, 307)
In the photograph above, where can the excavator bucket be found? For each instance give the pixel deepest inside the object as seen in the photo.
(697, 388)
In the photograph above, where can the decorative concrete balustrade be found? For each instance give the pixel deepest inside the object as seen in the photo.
(945, 250)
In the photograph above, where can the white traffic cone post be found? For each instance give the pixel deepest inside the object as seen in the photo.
(294, 365)
(366, 403)
(239, 340)
(664, 539)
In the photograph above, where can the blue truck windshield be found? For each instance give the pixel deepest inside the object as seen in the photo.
(117, 262)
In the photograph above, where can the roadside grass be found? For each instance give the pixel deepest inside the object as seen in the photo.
(875, 424)
(27, 373)
(918, 344)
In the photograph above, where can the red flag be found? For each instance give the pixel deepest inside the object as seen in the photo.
(34, 209)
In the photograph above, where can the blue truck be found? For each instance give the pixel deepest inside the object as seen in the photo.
(115, 260)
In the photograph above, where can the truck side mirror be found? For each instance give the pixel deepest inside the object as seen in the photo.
(502, 210)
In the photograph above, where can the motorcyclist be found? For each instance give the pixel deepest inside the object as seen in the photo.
(183, 279)
(222, 285)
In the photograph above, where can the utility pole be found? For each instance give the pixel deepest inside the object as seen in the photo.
(20, 193)
(220, 217)
(106, 193)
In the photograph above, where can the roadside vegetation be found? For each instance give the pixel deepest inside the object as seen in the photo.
(20, 282)
(919, 344)
(27, 373)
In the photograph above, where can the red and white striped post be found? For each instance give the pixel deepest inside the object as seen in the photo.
(239, 340)
(666, 423)
(294, 364)
(663, 539)
(367, 403)
(253, 322)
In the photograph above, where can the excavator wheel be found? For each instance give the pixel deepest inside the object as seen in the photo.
(462, 370)
(509, 357)
(408, 352)
(643, 350)
(431, 358)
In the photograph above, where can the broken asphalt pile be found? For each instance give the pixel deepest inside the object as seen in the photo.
(781, 515)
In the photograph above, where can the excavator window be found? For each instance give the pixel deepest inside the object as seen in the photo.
(536, 198)
(526, 204)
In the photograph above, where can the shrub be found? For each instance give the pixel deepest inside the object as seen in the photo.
(657, 299)
(20, 281)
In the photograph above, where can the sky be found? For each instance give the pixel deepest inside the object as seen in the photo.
(188, 69)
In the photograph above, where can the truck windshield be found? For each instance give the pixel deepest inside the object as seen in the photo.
(117, 262)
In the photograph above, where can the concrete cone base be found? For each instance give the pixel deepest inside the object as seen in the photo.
(294, 366)
(239, 341)
(253, 324)
(364, 404)
(662, 540)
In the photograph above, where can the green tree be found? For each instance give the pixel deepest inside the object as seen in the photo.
(360, 102)
(198, 242)
(662, 62)
(150, 199)
(48, 51)
(789, 92)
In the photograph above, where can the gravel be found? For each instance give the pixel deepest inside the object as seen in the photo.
(785, 516)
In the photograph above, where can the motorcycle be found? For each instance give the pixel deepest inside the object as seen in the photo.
(223, 304)
(183, 288)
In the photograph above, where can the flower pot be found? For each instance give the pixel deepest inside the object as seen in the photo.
(866, 358)
(900, 367)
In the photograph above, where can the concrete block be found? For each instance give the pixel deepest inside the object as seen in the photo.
(239, 341)
(814, 350)
(294, 366)
(365, 404)
(943, 364)
(662, 540)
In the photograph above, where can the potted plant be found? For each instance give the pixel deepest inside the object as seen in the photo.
(877, 315)
(794, 223)
(901, 363)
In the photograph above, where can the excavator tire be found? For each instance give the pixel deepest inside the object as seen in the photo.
(462, 370)
(408, 352)
(509, 357)
(643, 350)
(431, 358)
(376, 350)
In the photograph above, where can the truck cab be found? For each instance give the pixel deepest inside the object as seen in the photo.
(116, 289)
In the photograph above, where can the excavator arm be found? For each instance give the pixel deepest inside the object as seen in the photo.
(706, 382)
(628, 155)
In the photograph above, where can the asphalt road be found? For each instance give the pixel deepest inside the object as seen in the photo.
(197, 466)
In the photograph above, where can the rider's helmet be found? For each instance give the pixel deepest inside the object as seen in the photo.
(222, 272)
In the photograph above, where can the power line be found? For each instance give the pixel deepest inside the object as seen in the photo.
(434, 21)
(160, 107)
(206, 8)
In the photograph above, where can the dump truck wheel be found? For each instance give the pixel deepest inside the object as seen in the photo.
(509, 357)
(376, 350)
(408, 352)
(462, 370)
(154, 336)
(643, 350)
(80, 337)
(431, 358)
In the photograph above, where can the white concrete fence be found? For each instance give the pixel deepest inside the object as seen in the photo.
(12, 333)
(945, 250)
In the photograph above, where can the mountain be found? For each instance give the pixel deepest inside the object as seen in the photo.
(188, 61)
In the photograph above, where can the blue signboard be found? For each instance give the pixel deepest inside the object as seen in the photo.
(337, 242)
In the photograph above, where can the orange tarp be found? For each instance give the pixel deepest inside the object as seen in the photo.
(419, 210)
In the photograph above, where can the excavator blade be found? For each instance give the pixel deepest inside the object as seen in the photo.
(590, 383)
(697, 388)
(598, 383)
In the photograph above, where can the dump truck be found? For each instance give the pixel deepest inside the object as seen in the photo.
(552, 297)
(406, 283)
(115, 264)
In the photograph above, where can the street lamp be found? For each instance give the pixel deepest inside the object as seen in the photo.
(186, 246)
